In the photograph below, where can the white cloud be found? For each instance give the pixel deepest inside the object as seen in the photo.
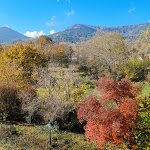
(131, 10)
(34, 34)
(70, 13)
(52, 22)
(52, 32)
(149, 21)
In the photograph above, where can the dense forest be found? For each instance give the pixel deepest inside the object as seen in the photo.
(99, 88)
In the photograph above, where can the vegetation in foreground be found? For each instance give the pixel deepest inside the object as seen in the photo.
(26, 137)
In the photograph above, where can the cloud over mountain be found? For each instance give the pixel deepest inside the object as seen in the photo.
(34, 34)
(52, 32)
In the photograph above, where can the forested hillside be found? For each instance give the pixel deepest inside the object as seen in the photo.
(81, 32)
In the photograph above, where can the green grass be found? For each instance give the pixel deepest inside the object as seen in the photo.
(26, 137)
(145, 90)
(22, 137)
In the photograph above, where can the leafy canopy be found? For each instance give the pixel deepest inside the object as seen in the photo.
(112, 117)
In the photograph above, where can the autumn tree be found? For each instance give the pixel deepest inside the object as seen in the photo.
(44, 44)
(29, 102)
(137, 65)
(136, 69)
(144, 40)
(16, 68)
(9, 101)
(61, 54)
(59, 91)
(10, 72)
(21, 59)
(111, 118)
(43, 41)
(145, 34)
(103, 53)
(1, 48)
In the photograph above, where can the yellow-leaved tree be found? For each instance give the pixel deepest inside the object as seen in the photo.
(19, 61)
(16, 72)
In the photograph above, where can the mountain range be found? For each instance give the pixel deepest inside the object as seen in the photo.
(76, 33)
(7, 34)
(82, 32)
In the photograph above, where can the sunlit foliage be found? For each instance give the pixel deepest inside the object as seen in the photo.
(112, 117)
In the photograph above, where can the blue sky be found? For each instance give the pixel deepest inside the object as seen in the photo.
(36, 17)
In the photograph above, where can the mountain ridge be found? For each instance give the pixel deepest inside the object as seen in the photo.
(8, 34)
(76, 33)
(79, 32)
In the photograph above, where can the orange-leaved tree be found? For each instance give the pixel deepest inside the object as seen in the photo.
(112, 117)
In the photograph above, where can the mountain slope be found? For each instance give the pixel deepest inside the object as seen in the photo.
(7, 34)
(74, 34)
(81, 32)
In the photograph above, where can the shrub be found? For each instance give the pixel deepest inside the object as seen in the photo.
(9, 102)
(112, 117)
(143, 134)
(135, 69)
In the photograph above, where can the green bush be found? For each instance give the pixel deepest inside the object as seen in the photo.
(135, 69)
(143, 129)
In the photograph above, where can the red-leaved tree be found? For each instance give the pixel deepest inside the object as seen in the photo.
(111, 117)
